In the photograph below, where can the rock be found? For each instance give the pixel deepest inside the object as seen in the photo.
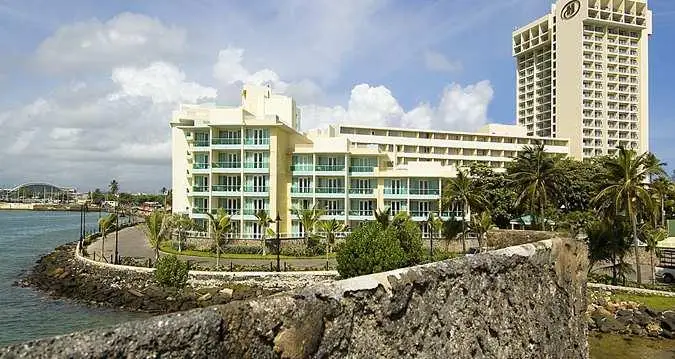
(204, 297)
(624, 313)
(602, 312)
(136, 293)
(170, 299)
(653, 313)
(654, 329)
(57, 272)
(668, 323)
(636, 329)
(609, 325)
(226, 292)
(642, 318)
(591, 323)
(667, 334)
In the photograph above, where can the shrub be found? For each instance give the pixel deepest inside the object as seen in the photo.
(171, 272)
(370, 249)
(409, 237)
(240, 249)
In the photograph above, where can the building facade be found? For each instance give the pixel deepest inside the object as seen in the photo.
(251, 158)
(582, 74)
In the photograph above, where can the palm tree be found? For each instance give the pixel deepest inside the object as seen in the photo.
(104, 224)
(435, 224)
(463, 190)
(264, 221)
(156, 227)
(537, 176)
(382, 216)
(221, 226)
(181, 223)
(308, 217)
(113, 187)
(652, 237)
(451, 228)
(661, 186)
(481, 224)
(625, 190)
(330, 228)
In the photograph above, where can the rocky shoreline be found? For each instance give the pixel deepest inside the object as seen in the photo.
(61, 275)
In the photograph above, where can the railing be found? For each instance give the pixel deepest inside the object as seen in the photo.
(252, 211)
(334, 212)
(256, 141)
(363, 213)
(226, 188)
(330, 190)
(361, 169)
(302, 190)
(264, 165)
(202, 143)
(257, 189)
(330, 168)
(200, 188)
(424, 191)
(228, 211)
(226, 141)
(361, 190)
(199, 210)
(419, 213)
(395, 191)
(200, 166)
(226, 164)
(302, 168)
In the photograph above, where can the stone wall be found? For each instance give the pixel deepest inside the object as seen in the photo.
(519, 302)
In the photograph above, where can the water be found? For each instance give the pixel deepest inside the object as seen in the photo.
(25, 313)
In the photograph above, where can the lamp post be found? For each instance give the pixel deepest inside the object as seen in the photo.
(431, 239)
(117, 229)
(81, 226)
(278, 220)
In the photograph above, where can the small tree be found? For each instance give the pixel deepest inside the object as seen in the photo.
(171, 272)
(308, 217)
(652, 236)
(481, 224)
(435, 225)
(464, 190)
(104, 225)
(181, 223)
(220, 226)
(451, 229)
(264, 221)
(369, 249)
(113, 188)
(382, 216)
(329, 229)
(157, 225)
(409, 237)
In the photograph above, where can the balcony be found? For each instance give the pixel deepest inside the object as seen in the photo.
(362, 192)
(361, 213)
(330, 168)
(419, 214)
(256, 189)
(252, 211)
(230, 165)
(302, 168)
(200, 188)
(302, 191)
(200, 166)
(257, 142)
(256, 166)
(228, 211)
(198, 210)
(201, 143)
(425, 191)
(362, 169)
(227, 141)
(225, 188)
(330, 190)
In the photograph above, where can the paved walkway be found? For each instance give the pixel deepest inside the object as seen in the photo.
(132, 243)
(632, 290)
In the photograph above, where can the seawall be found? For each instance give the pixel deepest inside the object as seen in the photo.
(526, 301)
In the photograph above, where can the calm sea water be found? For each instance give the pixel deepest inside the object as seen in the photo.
(25, 313)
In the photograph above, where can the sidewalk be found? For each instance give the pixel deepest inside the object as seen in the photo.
(132, 243)
(630, 289)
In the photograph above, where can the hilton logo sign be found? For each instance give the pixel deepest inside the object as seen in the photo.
(570, 9)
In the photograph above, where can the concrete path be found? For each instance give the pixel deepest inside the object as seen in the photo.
(133, 243)
(632, 290)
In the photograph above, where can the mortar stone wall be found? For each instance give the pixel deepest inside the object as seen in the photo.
(526, 301)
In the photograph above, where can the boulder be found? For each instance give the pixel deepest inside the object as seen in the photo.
(591, 323)
(636, 329)
(226, 292)
(205, 297)
(609, 325)
(641, 318)
(668, 322)
(135, 293)
(667, 334)
(601, 313)
(654, 329)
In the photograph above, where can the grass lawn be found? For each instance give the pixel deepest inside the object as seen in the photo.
(651, 301)
(192, 253)
(612, 346)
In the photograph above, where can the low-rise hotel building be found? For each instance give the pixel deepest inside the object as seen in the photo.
(253, 157)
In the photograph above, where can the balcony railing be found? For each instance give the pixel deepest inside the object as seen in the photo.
(263, 165)
(302, 168)
(201, 143)
(361, 190)
(226, 164)
(361, 169)
(302, 190)
(424, 191)
(200, 166)
(335, 212)
(330, 168)
(226, 188)
(199, 210)
(330, 190)
(257, 189)
(256, 141)
(226, 141)
(419, 213)
(358, 212)
(395, 190)
(252, 211)
(228, 211)
(200, 188)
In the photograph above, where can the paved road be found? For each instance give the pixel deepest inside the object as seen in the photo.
(132, 243)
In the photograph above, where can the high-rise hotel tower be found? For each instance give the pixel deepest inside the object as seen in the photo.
(582, 74)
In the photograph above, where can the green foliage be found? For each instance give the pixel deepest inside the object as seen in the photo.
(481, 224)
(409, 236)
(97, 197)
(240, 249)
(577, 184)
(156, 228)
(575, 222)
(498, 192)
(330, 229)
(608, 240)
(171, 272)
(451, 229)
(369, 249)
(382, 216)
(300, 250)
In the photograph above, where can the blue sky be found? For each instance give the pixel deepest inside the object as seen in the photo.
(87, 87)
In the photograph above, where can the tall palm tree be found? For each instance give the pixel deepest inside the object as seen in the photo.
(221, 226)
(264, 221)
(435, 225)
(481, 224)
(652, 237)
(308, 217)
(660, 187)
(382, 216)
(156, 227)
(625, 189)
(330, 229)
(537, 176)
(451, 229)
(104, 225)
(113, 188)
(181, 223)
(462, 189)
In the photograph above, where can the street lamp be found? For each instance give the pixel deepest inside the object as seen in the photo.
(278, 220)
(117, 229)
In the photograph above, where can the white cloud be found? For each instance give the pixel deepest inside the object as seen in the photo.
(436, 61)
(60, 133)
(125, 39)
(460, 108)
(162, 82)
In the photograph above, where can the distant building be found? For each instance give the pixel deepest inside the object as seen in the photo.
(251, 158)
(38, 192)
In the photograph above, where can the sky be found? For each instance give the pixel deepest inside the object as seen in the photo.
(87, 87)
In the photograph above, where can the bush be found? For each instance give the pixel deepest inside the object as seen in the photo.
(370, 249)
(171, 272)
(300, 250)
(241, 249)
(409, 237)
